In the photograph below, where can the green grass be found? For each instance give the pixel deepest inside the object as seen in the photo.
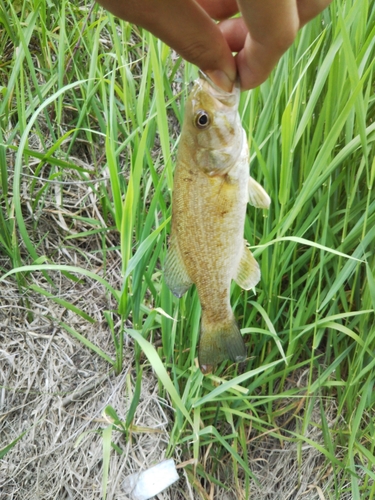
(76, 83)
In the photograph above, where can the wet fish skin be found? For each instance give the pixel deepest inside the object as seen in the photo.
(211, 190)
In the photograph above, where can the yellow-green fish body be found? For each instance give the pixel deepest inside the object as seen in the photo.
(211, 190)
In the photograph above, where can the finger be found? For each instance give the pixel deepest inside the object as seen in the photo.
(235, 32)
(308, 9)
(219, 9)
(254, 64)
(272, 29)
(187, 28)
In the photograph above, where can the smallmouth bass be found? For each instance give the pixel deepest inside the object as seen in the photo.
(212, 187)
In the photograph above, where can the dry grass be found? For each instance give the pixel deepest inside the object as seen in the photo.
(56, 389)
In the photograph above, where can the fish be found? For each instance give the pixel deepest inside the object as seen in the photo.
(211, 189)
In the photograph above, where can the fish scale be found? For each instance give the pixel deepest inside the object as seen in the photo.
(212, 187)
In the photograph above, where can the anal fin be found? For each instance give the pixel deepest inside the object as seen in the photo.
(248, 272)
(257, 195)
(175, 274)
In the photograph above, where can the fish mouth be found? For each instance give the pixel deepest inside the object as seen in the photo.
(228, 98)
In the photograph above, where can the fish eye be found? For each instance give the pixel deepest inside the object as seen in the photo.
(202, 119)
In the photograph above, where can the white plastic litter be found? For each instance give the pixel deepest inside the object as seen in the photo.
(145, 485)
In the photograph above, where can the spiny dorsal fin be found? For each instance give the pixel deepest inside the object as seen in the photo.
(175, 274)
(248, 272)
(257, 195)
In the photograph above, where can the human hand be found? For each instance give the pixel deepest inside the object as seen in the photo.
(264, 32)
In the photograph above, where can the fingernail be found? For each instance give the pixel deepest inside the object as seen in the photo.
(221, 79)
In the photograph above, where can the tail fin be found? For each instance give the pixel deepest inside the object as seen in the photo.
(218, 342)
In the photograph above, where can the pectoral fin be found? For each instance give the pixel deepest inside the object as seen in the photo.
(248, 272)
(257, 195)
(175, 274)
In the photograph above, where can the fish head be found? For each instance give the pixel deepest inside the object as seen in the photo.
(213, 127)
